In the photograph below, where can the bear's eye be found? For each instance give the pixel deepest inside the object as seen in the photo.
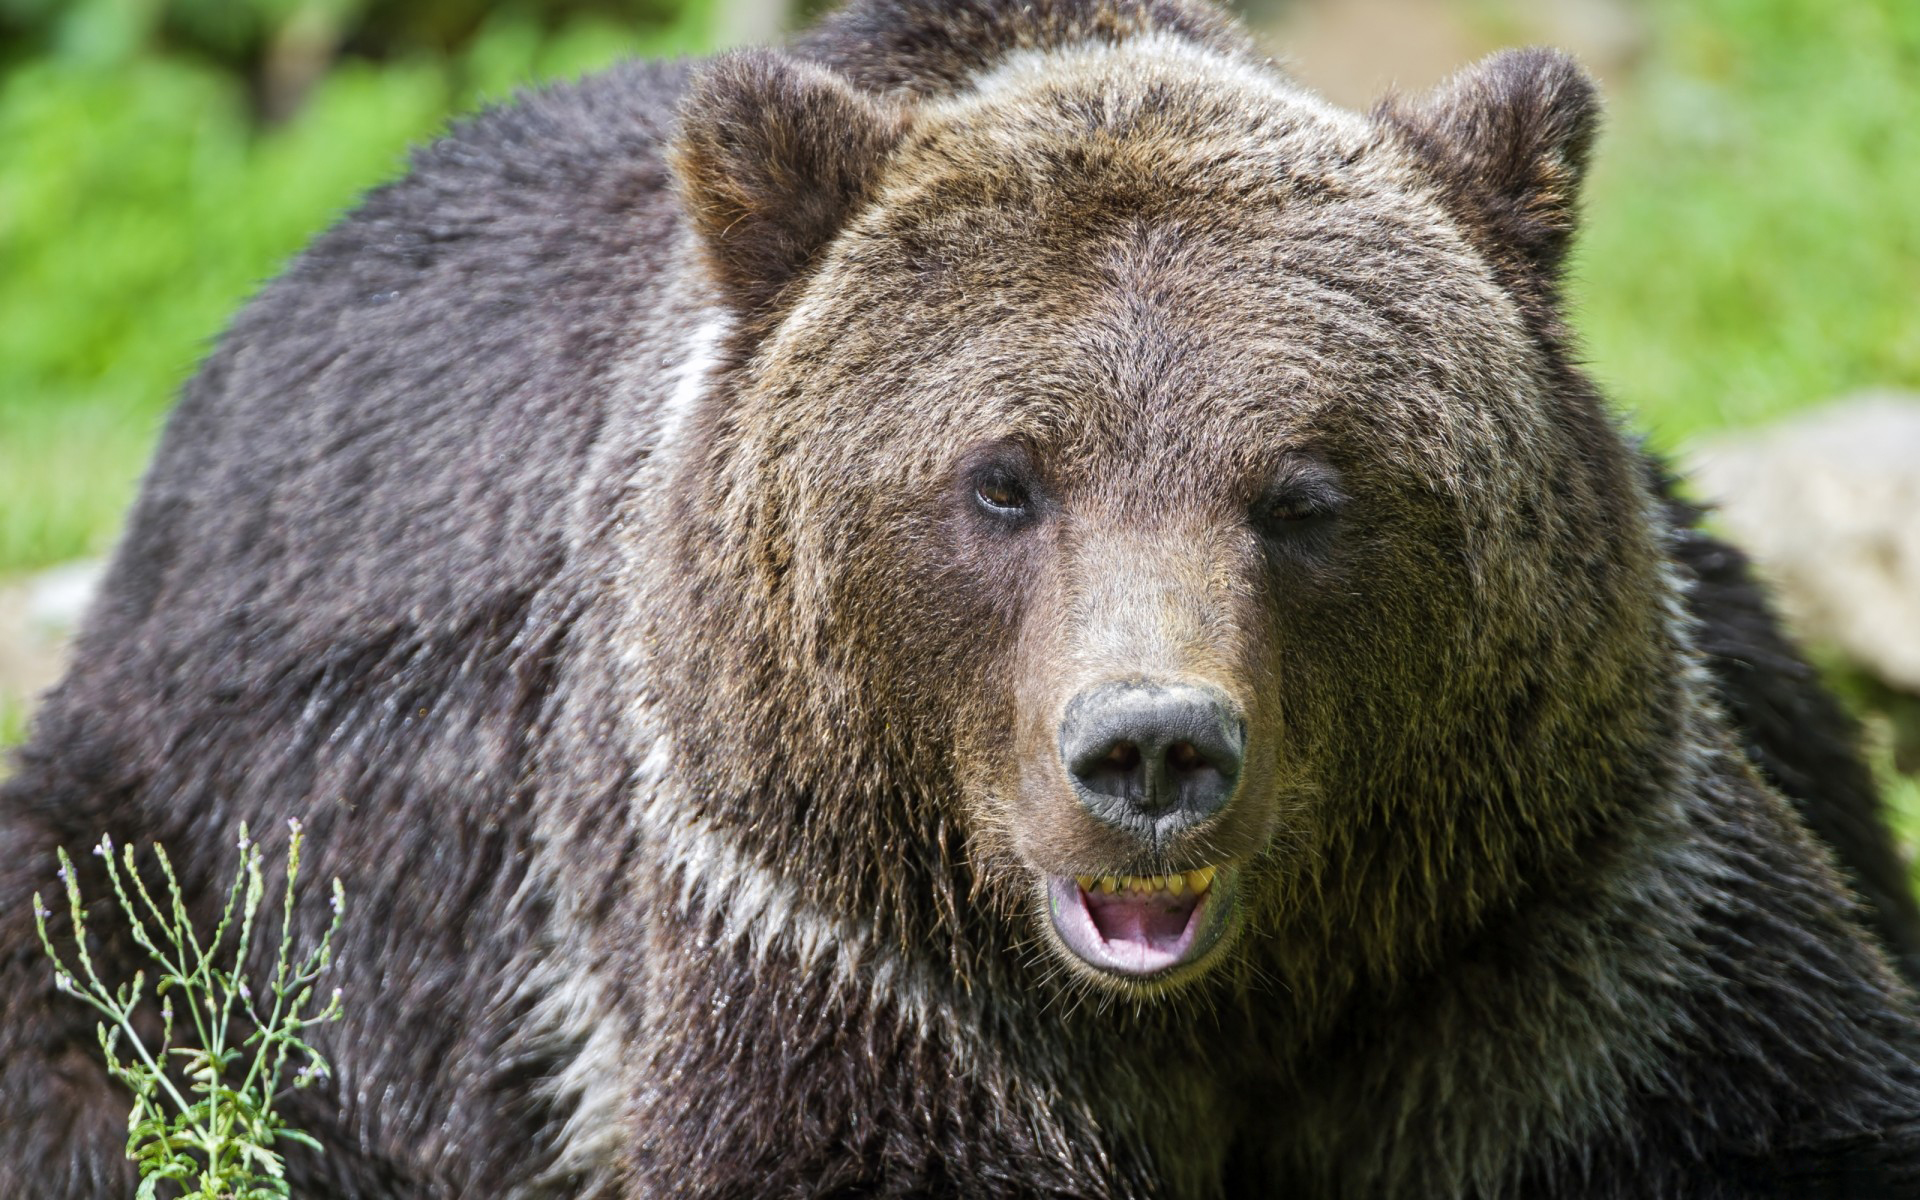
(1292, 510)
(1299, 512)
(998, 485)
(1000, 493)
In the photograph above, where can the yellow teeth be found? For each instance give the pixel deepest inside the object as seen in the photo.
(1179, 884)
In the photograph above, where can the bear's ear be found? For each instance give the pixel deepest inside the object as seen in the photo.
(1507, 142)
(773, 156)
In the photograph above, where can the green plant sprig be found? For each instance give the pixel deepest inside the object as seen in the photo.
(218, 1135)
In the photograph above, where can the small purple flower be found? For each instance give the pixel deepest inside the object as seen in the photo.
(62, 872)
(246, 993)
(293, 824)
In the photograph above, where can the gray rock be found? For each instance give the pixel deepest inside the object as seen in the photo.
(56, 599)
(38, 615)
(1829, 505)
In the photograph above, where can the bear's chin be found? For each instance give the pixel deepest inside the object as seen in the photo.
(1140, 935)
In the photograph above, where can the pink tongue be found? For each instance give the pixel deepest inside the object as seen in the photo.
(1152, 919)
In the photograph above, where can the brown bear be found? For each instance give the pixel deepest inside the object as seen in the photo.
(999, 603)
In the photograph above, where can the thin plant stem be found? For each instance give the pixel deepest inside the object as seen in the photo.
(221, 1135)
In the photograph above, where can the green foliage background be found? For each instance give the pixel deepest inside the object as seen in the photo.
(144, 194)
(1753, 235)
(1752, 243)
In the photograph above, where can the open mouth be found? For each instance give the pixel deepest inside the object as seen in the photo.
(1136, 925)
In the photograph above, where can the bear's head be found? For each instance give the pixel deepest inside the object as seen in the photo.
(1142, 505)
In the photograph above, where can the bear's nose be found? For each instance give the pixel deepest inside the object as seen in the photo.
(1152, 759)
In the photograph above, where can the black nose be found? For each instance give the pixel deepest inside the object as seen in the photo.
(1152, 759)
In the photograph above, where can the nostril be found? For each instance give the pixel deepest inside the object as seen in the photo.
(1125, 756)
(1181, 756)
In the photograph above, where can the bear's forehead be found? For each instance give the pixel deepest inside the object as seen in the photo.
(1151, 125)
(1150, 348)
(1150, 321)
(1163, 187)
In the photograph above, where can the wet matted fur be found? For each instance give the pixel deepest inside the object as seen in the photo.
(582, 538)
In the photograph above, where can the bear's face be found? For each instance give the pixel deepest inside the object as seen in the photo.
(1139, 451)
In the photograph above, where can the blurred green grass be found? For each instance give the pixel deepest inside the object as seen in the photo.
(141, 202)
(13, 724)
(1753, 225)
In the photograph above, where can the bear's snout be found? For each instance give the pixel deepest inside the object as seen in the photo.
(1152, 759)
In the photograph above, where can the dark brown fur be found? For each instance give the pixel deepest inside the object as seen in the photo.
(580, 538)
